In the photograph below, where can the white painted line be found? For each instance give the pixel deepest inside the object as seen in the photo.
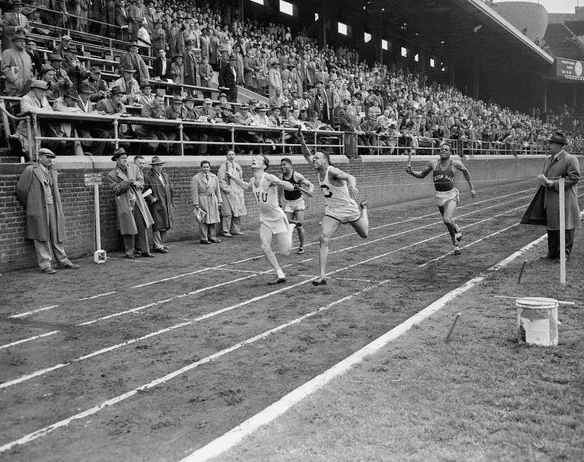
(234, 436)
(36, 337)
(97, 296)
(28, 313)
(110, 402)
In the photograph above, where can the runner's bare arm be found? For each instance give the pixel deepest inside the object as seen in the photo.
(339, 175)
(422, 173)
(305, 182)
(305, 150)
(460, 166)
(243, 184)
(280, 183)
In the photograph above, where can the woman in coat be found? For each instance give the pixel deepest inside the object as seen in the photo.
(207, 200)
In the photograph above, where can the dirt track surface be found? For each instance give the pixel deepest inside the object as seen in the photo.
(148, 360)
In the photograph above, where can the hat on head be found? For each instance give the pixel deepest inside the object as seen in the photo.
(16, 3)
(208, 101)
(188, 98)
(84, 88)
(145, 84)
(128, 68)
(157, 161)
(273, 108)
(347, 100)
(20, 35)
(226, 106)
(96, 69)
(46, 68)
(66, 38)
(261, 107)
(253, 101)
(176, 56)
(117, 153)
(177, 99)
(558, 138)
(133, 44)
(222, 95)
(30, 40)
(41, 84)
(244, 106)
(72, 94)
(55, 57)
(46, 152)
(116, 90)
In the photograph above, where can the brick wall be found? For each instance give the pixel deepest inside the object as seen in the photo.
(380, 179)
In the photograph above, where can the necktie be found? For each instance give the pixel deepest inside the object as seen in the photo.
(49, 178)
(207, 176)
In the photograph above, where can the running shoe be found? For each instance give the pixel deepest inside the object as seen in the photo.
(300, 249)
(457, 250)
(458, 236)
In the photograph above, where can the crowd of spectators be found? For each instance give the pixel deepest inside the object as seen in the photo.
(381, 108)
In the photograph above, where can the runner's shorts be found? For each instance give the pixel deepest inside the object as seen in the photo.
(276, 226)
(294, 205)
(351, 212)
(443, 197)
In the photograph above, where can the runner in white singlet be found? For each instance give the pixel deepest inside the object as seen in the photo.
(339, 189)
(273, 221)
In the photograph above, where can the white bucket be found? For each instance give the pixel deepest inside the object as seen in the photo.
(537, 320)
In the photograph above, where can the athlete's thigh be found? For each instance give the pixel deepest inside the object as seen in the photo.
(289, 215)
(265, 236)
(360, 226)
(328, 226)
(449, 209)
(299, 215)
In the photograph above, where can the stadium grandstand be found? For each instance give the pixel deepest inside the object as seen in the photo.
(363, 77)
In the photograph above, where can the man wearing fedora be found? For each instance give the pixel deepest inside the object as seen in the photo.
(228, 78)
(128, 85)
(160, 202)
(16, 65)
(127, 184)
(13, 22)
(38, 191)
(61, 81)
(558, 165)
(133, 59)
(232, 194)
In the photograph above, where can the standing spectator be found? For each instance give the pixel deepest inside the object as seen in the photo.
(122, 21)
(560, 165)
(13, 22)
(136, 17)
(38, 191)
(133, 58)
(127, 183)
(205, 44)
(274, 79)
(190, 63)
(160, 203)
(161, 66)
(158, 37)
(177, 69)
(206, 74)
(35, 57)
(61, 81)
(233, 196)
(207, 201)
(16, 65)
(228, 79)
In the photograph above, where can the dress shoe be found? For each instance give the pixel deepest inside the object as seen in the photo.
(227, 234)
(273, 282)
(165, 248)
(160, 250)
(147, 254)
(203, 241)
(215, 241)
(48, 270)
(237, 233)
(137, 253)
(69, 265)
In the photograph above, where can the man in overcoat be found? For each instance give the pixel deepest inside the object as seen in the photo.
(558, 165)
(206, 198)
(127, 183)
(160, 202)
(38, 191)
(233, 196)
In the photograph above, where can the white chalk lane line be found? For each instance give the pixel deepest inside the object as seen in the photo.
(227, 441)
(178, 276)
(110, 402)
(212, 314)
(368, 242)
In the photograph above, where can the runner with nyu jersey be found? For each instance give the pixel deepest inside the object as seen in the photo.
(443, 171)
(273, 221)
(339, 189)
(292, 201)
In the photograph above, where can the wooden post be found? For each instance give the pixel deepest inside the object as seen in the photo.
(562, 232)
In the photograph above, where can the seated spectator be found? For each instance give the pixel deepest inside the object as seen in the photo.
(154, 110)
(70, 62)
(113, 105)
(128, 85)
(90, 130)
(145, 96)
(98, 86)
(16, 65)
(68, 103)
(61, 82)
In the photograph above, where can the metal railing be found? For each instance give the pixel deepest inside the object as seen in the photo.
(7, 117)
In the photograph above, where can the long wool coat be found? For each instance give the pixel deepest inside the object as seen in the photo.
(31, 193)
(563, 165)
(206, 195)
(161, 210)
(231, 191)
(127, 200)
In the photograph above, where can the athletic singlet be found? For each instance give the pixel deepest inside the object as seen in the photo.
(292, 195)
(267, 200)
(336, 197)
(444, 177)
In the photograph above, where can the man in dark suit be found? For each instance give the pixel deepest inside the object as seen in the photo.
(228, 79)
(159, 202)
(161, 66)
(38, 191)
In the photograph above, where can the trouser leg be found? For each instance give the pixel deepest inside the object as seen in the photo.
(226, 220)
(57, 247)
(236, 224)
(157, 240)
(129, 244)
(142, 229)
(569, 241)
(203, 230)
(553, 243)
(43, 253)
